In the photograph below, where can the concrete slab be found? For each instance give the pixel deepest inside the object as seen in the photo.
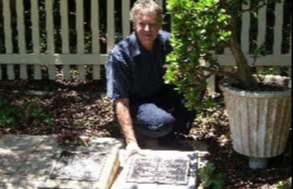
(104, 144)
(49, 143)
(11, 161)
(21, 142)
(67, 184)
(72, 173)
(4, 180)
(39, 163)
(15, 150)
(24, 182)
(122, 182)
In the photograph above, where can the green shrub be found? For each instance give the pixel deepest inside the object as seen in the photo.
(212, 178)
(8, 114)
(284, 185)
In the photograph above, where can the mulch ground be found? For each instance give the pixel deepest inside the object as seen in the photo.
(49, 107)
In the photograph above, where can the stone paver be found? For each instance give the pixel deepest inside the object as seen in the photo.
(49, 143)
(24, 182)
(26, 162)
(21, 142)
(38, 164)
(10, 161)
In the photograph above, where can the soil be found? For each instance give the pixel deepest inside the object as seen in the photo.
(76, 108)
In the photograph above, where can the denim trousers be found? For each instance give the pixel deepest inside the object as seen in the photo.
(161, 115)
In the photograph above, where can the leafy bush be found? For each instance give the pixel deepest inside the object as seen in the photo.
(35, 111)
(8, 114)
(212, 178)
(284, 185)
(200, 29)
(26, 113)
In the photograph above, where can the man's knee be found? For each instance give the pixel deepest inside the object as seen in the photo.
(154, 122)
(150, 114)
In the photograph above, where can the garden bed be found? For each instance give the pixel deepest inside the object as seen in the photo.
(49, 107)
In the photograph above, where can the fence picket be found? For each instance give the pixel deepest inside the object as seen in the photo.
(64, 26)
(278, 31)
(80, 26)
(160, 2)
(96, 72)
(36, 36)
(8, 36)
(245, 29)
(95, 36)
(261, 35)
(65, 36)
(262, 24)
(80, 35)
(7, 27)
(66, 72)
(10, 72)
(50, 36)
(21, 36)
(110, 25)
(125, 17)
(95, 26)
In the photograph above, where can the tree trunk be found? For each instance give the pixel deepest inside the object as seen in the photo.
(246, 79)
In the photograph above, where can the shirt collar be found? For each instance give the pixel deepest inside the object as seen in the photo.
(136, 47)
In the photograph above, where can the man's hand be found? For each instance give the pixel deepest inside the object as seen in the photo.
(132, 149)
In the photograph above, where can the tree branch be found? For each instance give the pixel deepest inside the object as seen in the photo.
(218, 72)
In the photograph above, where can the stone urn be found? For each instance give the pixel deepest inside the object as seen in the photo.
(259, 121)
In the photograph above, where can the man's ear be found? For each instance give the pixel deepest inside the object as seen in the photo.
(134, 26)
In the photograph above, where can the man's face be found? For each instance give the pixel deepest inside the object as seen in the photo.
(147, 28)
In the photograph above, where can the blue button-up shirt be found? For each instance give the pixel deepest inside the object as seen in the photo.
(134, 73)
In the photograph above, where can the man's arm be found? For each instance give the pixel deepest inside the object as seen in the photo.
(125, 120)
(126, 123)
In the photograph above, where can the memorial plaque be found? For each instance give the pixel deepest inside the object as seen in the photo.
(159, 170)
(79, 166)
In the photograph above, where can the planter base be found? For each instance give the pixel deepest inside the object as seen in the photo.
(260, 121)
(258, 163)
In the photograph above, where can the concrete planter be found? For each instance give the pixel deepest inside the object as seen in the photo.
(259, 121)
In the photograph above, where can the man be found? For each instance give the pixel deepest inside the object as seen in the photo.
(144, 105)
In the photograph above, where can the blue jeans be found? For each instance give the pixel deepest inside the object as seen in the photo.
(161, 115)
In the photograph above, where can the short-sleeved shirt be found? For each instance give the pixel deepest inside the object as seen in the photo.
(134, 73)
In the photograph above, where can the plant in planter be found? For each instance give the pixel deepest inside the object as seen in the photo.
(200, 28)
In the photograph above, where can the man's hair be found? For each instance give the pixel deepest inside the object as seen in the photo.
(144, 7)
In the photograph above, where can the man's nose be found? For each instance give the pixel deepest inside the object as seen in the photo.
(147, 27)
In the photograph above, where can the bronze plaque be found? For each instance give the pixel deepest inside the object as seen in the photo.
(159, 170)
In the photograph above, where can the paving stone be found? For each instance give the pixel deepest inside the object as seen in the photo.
(67, 184)
(20, 142)
(4, 180)
(168, 174)
(79, 166)
(39, 163)
(11, 161)
(104, 144)
(81, 170)
(24, 182)
(49, 143)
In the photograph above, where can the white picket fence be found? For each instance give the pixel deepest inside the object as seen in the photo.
(30, 65)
